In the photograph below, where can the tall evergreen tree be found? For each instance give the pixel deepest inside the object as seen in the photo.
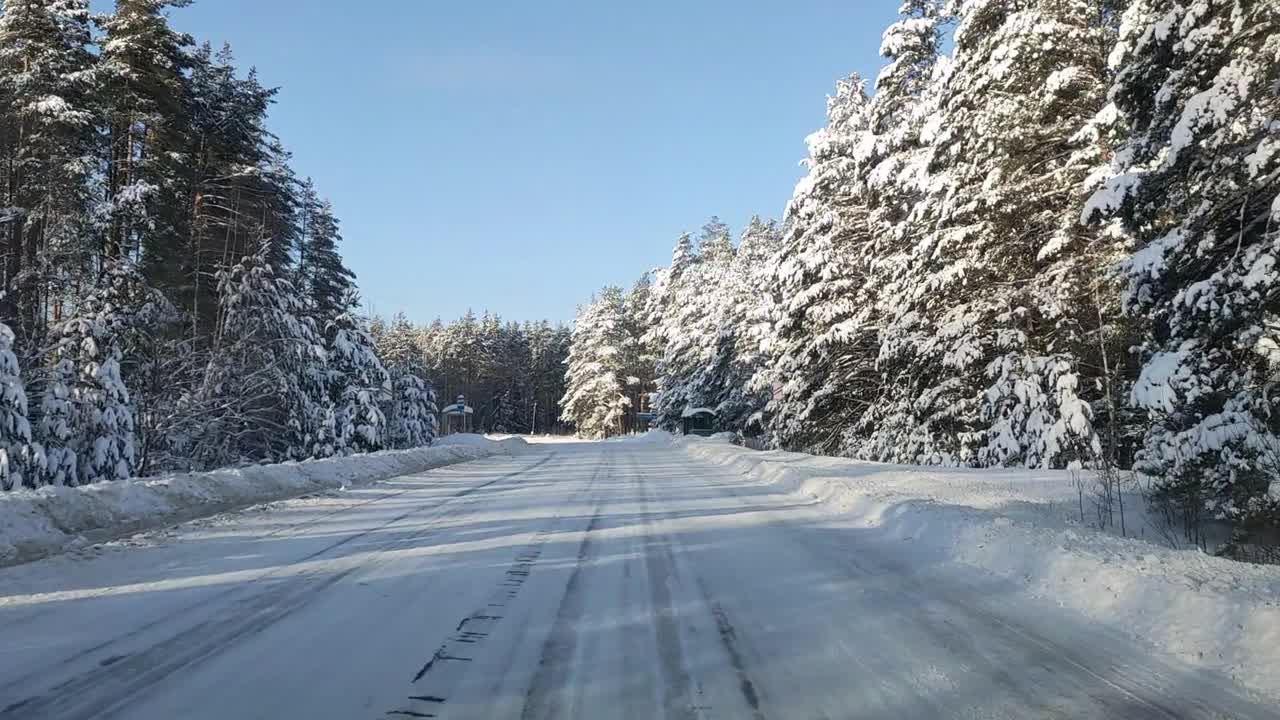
(144, 91)
(359, 385)
(224, 195)
(48, 125)
(101, 416)
(411, 406)
(1196, 184)
(741, 352)
(595, 397)
(691, 311)
(1000, 381)
(16, 450)
(824, 343)
(905, 119)
(266, 381)
(322, 277)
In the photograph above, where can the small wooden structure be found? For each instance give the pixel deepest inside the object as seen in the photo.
(456, 417)
(698, 421)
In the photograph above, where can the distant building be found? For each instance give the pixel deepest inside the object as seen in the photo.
(699, 421)
(456, 418)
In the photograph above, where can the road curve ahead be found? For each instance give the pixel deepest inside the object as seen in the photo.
(590, 580)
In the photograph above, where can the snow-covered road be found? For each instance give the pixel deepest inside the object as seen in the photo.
(606, 580)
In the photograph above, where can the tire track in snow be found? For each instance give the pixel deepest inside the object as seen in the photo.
(123, 677)
(957, 619)
(555, 666)
(436, 679)
(728, 640)
(667, 566)
(678, 699)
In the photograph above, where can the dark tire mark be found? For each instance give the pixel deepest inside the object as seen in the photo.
(471, 632)
(555, 664)
(660, 567)
(728, 639)
(665, 564)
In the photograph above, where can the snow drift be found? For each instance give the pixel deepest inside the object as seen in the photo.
(50, 520)
(1019, 525)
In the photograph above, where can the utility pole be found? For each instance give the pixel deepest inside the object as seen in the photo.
(533, 421)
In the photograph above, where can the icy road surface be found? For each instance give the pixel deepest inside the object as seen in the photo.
(608, 580)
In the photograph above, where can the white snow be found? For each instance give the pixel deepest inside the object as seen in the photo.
(1023, 526)
(636, 577)
(1211, 108)
(52, 519)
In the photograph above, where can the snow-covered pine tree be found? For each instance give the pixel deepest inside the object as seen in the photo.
(640, 361)
(358, 383)
(259, 399)
(152, 356)
(321, 276)
(378, 330)
(57, 413)
(741, 349)
(221, 180)
(662, 299)
(48, 126)
(904, 119)
(823, 344)
(998, 337)
(691, 318)
(324, 286)
(88, 354)
(144, 92)
(16, 450)
(595, 398)
(1196, 183)
(411, 409)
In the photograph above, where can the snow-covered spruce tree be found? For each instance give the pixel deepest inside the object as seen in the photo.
(998, 326)
(660, 306)
(17, 453)
(259, 399)
(1196, 183)
(100, 422)
(48, 126)
(595, 399)
(321, 275)
(711, 333)
(691, 314)
(57, 413)
(411, 408)
(639, 363)
(413, 419)
(904, 118)
(358, 383)
(741, 352)
(824, 341)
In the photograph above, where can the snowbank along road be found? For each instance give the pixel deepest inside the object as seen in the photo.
(592, 580)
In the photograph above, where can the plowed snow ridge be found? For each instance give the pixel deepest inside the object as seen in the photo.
(39, 523)
(1019, 525)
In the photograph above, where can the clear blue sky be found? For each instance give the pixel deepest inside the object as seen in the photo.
(516, 156)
